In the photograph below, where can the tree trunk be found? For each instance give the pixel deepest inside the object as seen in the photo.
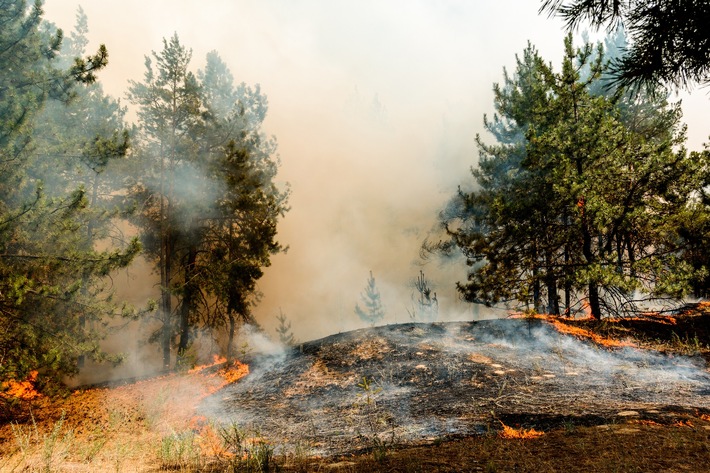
(594, 302)
(553, 301)
(188, 300)
(165, 299)
(537, 290)
(230, 335)
(89, 243)
(593, 287)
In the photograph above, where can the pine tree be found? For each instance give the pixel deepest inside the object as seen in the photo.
(242, 235)
(670, 38)
(284, 330)
(426, 304)
(52, 278)
(583, 192)
(170, 114)
(207, 193)
(372, 310)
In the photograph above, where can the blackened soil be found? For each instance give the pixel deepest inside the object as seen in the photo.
(416, 383)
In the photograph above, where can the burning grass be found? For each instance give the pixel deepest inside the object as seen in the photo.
(519, 433)
(127, 427)
(571, 327)
(443, 397)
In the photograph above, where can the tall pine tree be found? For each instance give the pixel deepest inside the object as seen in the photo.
(50, 272)
(209, 204)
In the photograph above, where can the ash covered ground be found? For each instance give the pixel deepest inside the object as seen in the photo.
(414, 383)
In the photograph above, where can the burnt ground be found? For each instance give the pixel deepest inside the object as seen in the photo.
(414, 384)
(401, 398)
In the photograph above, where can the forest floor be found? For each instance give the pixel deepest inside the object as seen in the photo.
(538, 395)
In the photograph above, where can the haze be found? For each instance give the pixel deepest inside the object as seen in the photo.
(375, 106)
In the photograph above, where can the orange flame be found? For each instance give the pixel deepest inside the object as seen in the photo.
(512, 433)
(208, 439)
(660, 318)
(216, 360)
(587, 309)
(683, 423)
(228, 374)
(234, 373)
(24, 390)
(645, 422)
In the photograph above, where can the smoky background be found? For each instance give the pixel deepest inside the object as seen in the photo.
(375, 107)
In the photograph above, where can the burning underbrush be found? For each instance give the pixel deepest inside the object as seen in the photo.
(108, 428)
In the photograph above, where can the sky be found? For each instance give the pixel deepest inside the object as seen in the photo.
(375, 106)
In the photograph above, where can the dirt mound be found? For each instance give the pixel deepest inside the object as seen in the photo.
(413, 383)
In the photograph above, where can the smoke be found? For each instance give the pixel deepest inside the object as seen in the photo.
(534, 344)
(375, 107)
(255, 343)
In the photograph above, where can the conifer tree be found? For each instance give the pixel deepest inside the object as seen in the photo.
(207, 193)
(284, 330)
(586, 196)
(670, 38)
(52, 277)
(426, 304)
(372, 310)
(170, 114)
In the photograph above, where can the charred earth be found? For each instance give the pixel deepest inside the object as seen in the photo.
(417, 383)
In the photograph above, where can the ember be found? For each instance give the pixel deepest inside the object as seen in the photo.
(684, 423)
(644, 422)
(583, 334)
(235, 372)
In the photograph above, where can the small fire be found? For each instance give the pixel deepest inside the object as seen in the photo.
(208, 440)
(24, 390)
(683, 423)
(660, 318)
(645, 422)
(216, 360)
(512, 433)
(227, 374)
(235, 372)
(587, 309)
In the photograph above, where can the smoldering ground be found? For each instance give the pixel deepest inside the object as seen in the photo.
(415, 382)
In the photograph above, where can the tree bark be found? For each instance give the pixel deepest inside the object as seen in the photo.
(188, 300)
(593, 287)
(230, 336)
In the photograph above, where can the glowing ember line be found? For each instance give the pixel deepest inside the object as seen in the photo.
(581, 333)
